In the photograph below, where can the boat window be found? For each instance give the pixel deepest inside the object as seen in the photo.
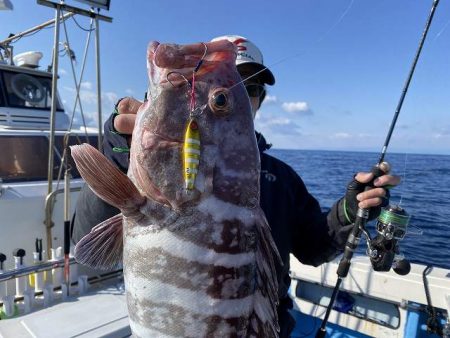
(73, 139)
(2, 100)
(24, 158)
(29, 91)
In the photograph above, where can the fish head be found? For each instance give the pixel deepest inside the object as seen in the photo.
(196, 83)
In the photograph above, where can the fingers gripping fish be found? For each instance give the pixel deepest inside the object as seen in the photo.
(197, 262)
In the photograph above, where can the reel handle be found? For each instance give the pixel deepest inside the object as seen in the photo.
(401, 267)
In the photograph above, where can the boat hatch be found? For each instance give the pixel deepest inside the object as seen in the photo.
(24, 157)
(368, 308)
(25, 100)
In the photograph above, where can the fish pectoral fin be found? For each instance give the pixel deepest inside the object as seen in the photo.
(102, 248)
(105, 180)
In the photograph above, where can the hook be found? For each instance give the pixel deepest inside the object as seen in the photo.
(175, 72)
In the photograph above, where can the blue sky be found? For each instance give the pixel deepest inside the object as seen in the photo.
(340, 65)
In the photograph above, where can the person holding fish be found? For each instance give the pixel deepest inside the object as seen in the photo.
(297, 223)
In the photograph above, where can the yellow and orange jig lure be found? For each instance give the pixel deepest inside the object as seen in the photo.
(191, 151)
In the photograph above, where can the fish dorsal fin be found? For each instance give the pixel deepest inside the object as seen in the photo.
(102, 248)
(105, 180)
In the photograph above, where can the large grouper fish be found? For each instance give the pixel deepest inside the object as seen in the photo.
(197, 253)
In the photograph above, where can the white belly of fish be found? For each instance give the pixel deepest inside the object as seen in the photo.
(172, 286)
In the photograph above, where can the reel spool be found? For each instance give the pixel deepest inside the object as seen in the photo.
(393, 222)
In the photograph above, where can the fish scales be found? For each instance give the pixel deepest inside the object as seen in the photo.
(198, 262)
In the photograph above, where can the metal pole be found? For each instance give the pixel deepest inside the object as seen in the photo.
(99, 93)
(38, 27)
(52, 118)
(67, 216)
(28, 270)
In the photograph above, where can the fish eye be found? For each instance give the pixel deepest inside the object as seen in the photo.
(220, 101)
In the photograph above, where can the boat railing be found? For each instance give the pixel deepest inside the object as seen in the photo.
(50, 201)
(28, 270)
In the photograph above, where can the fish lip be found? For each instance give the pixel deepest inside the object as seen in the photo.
(153, 139)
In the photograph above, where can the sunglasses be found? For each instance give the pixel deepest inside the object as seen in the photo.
(255, 90)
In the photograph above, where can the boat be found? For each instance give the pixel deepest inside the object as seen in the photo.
(37, 301)
(371, 304)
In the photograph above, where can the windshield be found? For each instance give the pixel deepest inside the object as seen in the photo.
(29, 91)
(25, 158)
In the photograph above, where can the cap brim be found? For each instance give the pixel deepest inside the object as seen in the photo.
(265, 75)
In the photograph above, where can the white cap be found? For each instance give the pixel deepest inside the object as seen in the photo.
(249, 54)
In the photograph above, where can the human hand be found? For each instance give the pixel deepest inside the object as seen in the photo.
(127, 109)
(374, 198)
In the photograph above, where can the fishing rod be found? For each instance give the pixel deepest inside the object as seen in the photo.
(393, 220)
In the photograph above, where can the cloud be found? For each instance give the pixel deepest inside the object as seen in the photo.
(337, 110)
(62, 71)
(90, 97)
(280, 125)
(441, 135)
(89, 117)
(109, 97)
(89, 102)
(129, 91)
(445, 131)
(341, 135)
(86, 85)
(297, 107)
(270, 99)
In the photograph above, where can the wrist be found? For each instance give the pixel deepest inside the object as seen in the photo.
(348, 218)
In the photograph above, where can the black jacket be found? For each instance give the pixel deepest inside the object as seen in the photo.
(297, 222)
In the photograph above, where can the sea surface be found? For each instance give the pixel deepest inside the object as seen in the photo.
(424, 193)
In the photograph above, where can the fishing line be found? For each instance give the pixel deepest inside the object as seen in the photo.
(419, 230)
(402, 190)
(441, 31)
(303, 52)
(337, 22)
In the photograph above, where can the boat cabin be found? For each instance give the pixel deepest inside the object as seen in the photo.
(25, 104)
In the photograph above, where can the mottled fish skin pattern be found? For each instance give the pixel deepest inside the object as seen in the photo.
(205, 269)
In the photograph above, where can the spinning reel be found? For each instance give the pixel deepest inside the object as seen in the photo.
(383, 250)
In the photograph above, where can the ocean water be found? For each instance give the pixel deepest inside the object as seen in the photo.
(424, 193)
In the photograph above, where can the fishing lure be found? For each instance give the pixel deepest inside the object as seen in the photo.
(191, 148)
(191, 156)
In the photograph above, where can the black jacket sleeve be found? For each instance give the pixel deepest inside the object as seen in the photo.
(91, 210)
(298, 224)
(318, 237)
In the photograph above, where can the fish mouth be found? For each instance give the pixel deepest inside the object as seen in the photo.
(152, 140)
